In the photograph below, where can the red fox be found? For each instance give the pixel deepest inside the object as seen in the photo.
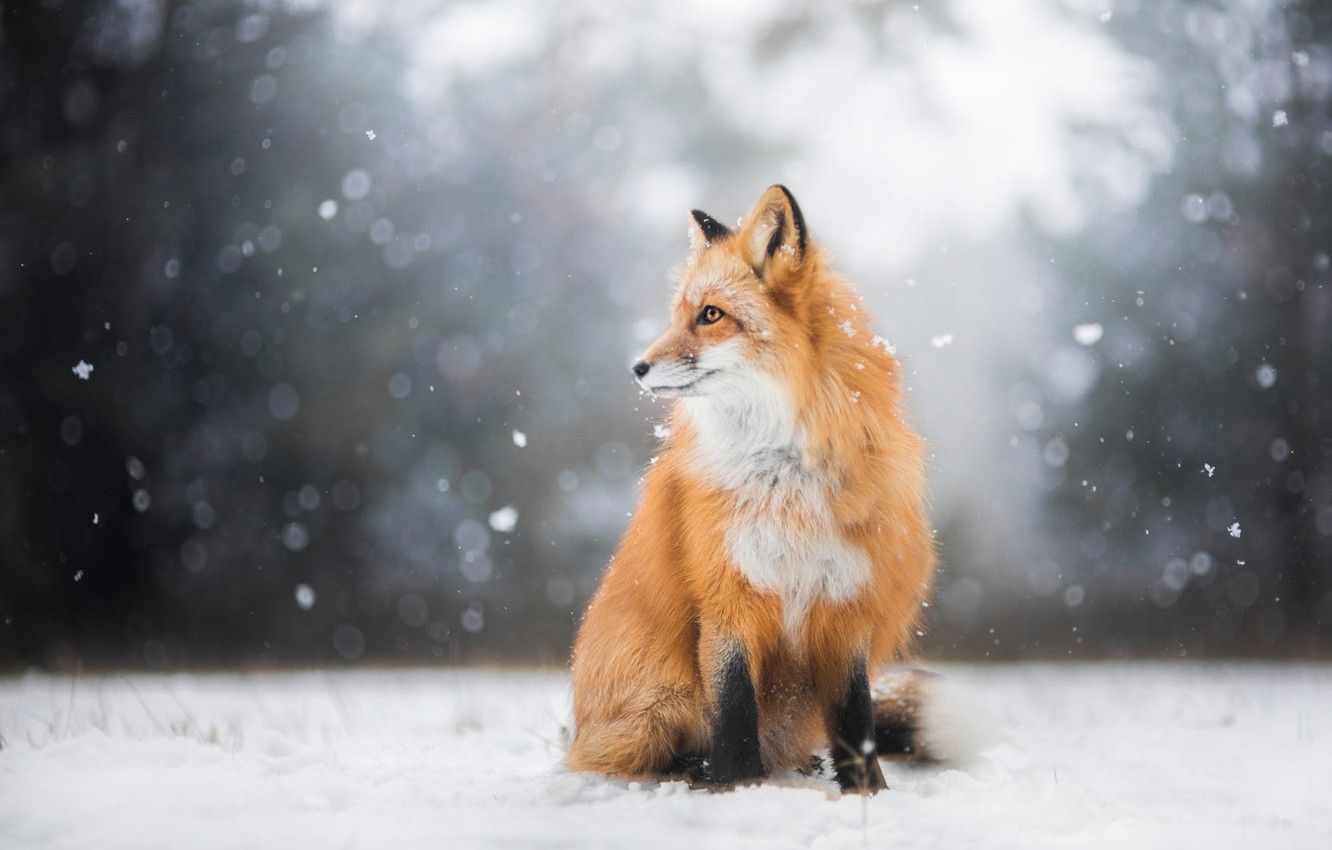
(781, 552)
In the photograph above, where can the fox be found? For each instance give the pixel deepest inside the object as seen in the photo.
(780, 552)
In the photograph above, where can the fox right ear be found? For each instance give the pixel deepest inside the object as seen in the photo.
(705, 230)
(774, 231)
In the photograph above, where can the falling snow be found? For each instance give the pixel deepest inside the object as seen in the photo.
(504, 519)
(226, 391)
(1088, 334)
(1266, 375)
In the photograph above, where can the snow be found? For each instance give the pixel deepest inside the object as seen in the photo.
(1234, 529)
(83, 369)
(519, 439)
(1097, 756)
(1088, 334)
(941, 340)
(1266, 375)
(504, 519)
(305, 596)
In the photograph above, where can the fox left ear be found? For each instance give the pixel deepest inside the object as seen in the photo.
(775, 231)
(704, 230)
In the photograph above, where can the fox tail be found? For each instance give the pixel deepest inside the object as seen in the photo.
(922, 717)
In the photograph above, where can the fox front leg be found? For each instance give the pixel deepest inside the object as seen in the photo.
(855, 757)
(734, 757)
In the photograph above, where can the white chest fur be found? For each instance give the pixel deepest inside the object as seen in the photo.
(781, 533)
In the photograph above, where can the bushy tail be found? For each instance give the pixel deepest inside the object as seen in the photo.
(921, 717)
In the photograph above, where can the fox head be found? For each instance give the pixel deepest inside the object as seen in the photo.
(739, 303)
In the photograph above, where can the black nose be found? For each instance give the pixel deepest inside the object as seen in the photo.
(641, 368)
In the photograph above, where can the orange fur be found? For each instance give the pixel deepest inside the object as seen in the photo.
(645, 660)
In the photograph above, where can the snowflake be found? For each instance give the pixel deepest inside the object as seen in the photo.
(1209, 469)
(885, 344)
(1088, 334)
(847, 327)
(504, 519)
(519, 439)
(83, 369)
(941, 340)
(1234, 529)
(370, 134)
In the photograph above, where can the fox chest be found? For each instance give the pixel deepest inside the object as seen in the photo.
(780, 532)
(782, 537)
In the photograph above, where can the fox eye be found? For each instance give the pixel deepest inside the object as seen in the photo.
(709, 315)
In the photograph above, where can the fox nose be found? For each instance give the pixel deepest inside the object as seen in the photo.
(641, 368)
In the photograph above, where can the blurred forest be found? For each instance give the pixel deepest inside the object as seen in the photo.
(314, 317)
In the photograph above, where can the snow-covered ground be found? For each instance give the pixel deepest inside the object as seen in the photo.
(1113, 756)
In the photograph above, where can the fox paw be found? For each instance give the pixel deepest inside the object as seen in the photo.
(862, 777)
(718, 776)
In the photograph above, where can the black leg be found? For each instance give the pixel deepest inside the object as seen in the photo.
(735, 738)
(855, 757)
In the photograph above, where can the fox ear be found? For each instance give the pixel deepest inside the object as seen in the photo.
(704, 230)
(775, 231)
